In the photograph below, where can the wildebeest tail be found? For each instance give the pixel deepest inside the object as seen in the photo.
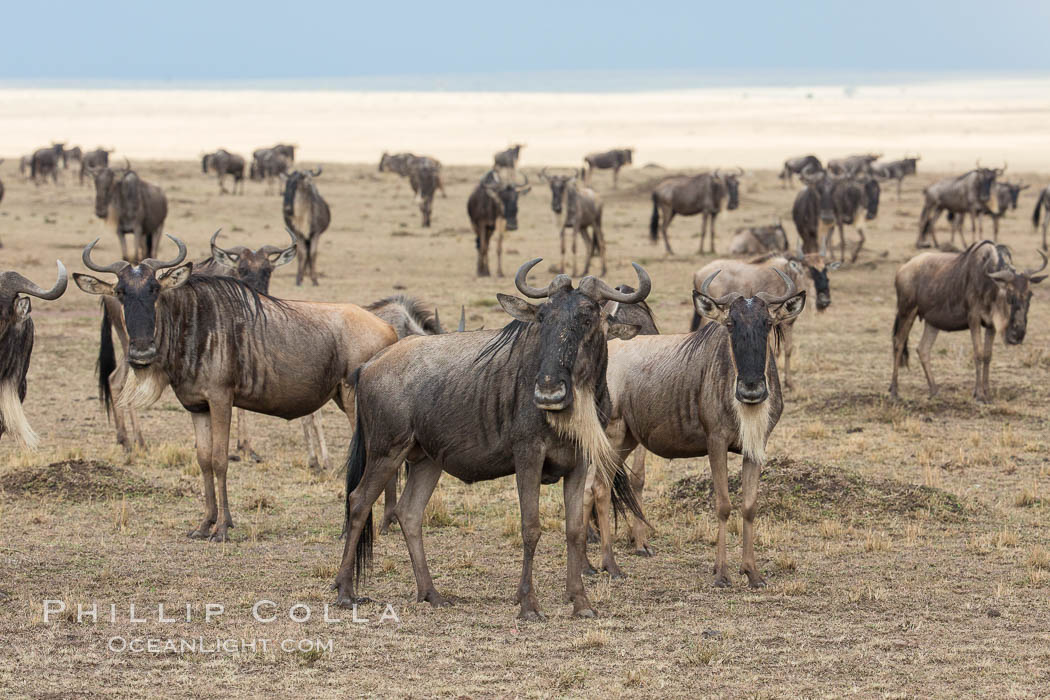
(356, 462)
(1038, 208)
(904, 351)
(654, 222)
(107, 361)
(623, 497)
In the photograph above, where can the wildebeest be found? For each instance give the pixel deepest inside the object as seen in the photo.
(404, 164)
(220, 344)
(830, 201)
(286, 151)
(508, 158)
(966, 194)
(583, 214)
(269, 165)
(848, 196)
(44, 162)
(975, 289)
(225, 163)
(527, 400)
(25, 167)
(396, 163)
(710, 392)
(69, 154)
(16, 348)
(802, 165)
(759, 240)
(1042, 203)
(700, 194)
(134, 206)
(614, 160)
(493, 208)
(93, 160)
(852, 166)
(1004, 194)
(425, 180)
(895, 170)
(307, 215)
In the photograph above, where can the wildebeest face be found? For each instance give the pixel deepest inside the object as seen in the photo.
(558, 185)
(508, 195)
(733, 188)
(253, 267)
(627, 155)
(908, 166)
(104, 181)
(985, 178)
(382, 162)
(871, 198)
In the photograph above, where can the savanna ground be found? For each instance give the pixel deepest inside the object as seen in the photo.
(905, 544)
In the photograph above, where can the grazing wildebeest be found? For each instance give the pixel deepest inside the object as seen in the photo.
(425, 179)
(404, 163)
(814, 206)
(700, 194)
(852, 166)
(802, 165)
(493, 208)
(527, 400)
(1042, 203)
(759, 240)
(614, 160)
(710, 392)
(975, 289)
(965, 194)
(45, 162)
(267, 165)
(93, 160)
(16, 347)
(225, 163)
(895, 170)
(396, 163)
(848, 196)
(508, 158)
(134, 206)
(220, 344)
(307, 215)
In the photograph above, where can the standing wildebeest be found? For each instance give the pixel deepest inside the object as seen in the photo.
(404, 163)
(527, 400)
(507, 159)
(225, 163)
(25, 167)
(1042, 203)
(895, 170)
(397, 163)
(614, 159)
(1004, 194)
(45, 162)
(965, 194)
(493, 208)
(93, 160)
(286, 151)
(852, 166)
(219, 344)
(69, 154)
(699, 194)
(307, 215)
(848, 196)
(802, 165)
(135, 207)
(269, 165)
(425, 179)
(16, 347)
(978, 288)
(583, 212)
(827, 200)
(759, 240)
(710, 392)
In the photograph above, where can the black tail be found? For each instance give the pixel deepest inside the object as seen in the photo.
(356, 461)
(654, 222)
(107, 361)
(623, 498)
(904, 352)
(1038, 208)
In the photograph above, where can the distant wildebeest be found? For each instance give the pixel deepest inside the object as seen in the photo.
(307, 215)
(285, 150)
(759, 240)
(976, 289)
(224, 163)
(397, 163)
(852, 166)
(895, 170)
(508, 158)
(966, 194)
(1004, 194)
(614, 160)
(25, 166)
(44, 163)
(493, 208)
(710, 392)
(1042, 203)
(16, 347)
(848, 196)
(269, 165)
(800, 166)
(93, 160)
(134, 206)
(69, 154)
(700, 194)
(220, 344)
(425, 180)
(527, 400)
(583, 214)
(813, 209)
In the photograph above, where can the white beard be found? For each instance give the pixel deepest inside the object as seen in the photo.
(753, 420)
(580, 424)
(142, 388)
(15, 421)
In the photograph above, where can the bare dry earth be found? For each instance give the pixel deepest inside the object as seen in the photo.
(905, 544)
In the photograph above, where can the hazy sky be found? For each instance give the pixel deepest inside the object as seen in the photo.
(190, 40)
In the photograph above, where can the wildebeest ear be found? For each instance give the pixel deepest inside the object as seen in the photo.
(224, 257)
(705, 306)
(835, 265)
(623, 331)
(93, 285)
(282, 257)
(790, 308)
(1037, 279)
(518, 308)
(176, 276)
(23, 307)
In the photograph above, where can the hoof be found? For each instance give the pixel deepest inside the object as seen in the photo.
(757, 583)
(219, 537)
(532, 616)
(435, 599)
(644, 551)
(585, 613)
(722, 582)
(589, 571)
(616, 574)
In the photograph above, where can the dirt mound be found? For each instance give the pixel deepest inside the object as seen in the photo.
(79, 480)
(810, 491)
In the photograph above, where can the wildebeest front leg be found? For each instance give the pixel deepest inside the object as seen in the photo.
(929, 335)
(422, 478)
(714, 217)
(576, 540)
(703, 230)
(501, 226)
(980, 389)
(202, 435)
(313, 244)
(389, 506)
(528, 467)
(221, 412)
(668, 214)
(639, 529)
(749, 507)
(122, 237)
(718, 456)
(989, 340)
(302, 256)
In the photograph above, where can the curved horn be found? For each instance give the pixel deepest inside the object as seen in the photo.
(112, 267)
(535, 292)
(772, 300)
(13, 283)
(316, 173)
(645, 285)
(1027, 273)
(723, 300)
(215, 235)
(127, 163)
(155, 264)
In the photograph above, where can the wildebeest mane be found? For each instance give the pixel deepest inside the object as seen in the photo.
(417, 312)
(227, 295)
(510, 335)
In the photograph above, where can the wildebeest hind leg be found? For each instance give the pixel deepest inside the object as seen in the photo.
(748, 509)
(929, 335)
(576, 540)
(603, 505)
(528, 467)
(202, 435)
(639, 529)
(389, 506)
(986, 360)
(422, 478)
(244, 445)
(221, 412)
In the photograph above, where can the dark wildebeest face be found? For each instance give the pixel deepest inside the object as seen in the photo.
(558, 184)
(383, 161)
(908, 165)
(137, 289)
(985, 178)
(750, 320)
(817, 268)
(871, 198)
(732, 183)
(628, 153)
(573, 331)
(1007, 194)
(1015, 294)
(823, 185)
(253, 267)
(298, 179)
(104, 184)
(508, 193)
(206, 162)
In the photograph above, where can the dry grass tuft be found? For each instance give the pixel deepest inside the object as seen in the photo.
(1039, 558)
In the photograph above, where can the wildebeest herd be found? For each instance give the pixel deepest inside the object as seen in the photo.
(577, 380)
